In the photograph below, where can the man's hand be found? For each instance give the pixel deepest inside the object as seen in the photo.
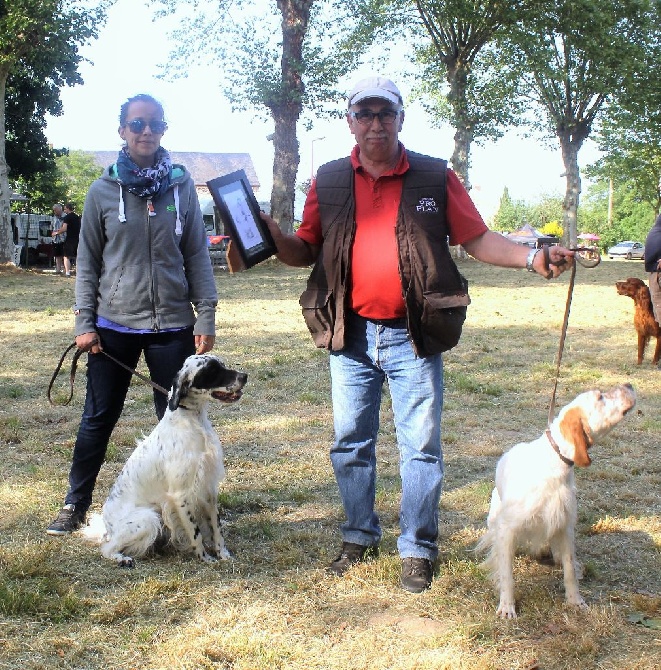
(234, 261)
(292, 250)
(552, 261)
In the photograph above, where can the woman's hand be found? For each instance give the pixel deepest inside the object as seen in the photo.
(89, 342)
(204, 343)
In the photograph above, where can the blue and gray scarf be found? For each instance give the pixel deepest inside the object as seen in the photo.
(149, 182)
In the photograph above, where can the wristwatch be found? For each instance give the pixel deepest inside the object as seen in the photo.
(531, 258)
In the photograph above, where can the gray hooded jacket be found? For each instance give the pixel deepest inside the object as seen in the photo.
(144, 267)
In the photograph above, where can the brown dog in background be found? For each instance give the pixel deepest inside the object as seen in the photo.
(643, 316)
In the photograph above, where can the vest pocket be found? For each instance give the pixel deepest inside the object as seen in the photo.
(443, 318)
(318, 307)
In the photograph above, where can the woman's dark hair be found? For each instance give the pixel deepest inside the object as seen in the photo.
(141, 97)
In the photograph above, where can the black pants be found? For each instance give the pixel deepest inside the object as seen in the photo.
(107, 386)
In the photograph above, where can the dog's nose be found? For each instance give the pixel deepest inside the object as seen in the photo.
(242, 378)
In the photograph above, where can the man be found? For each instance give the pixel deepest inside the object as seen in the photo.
(386, 299)
(71, 224)
(653, 266)
(59, 235)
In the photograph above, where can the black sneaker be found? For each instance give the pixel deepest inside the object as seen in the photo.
(350, 555)
(416, 574)
(68, 520)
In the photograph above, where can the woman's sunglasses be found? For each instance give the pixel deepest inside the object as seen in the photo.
(138, 125)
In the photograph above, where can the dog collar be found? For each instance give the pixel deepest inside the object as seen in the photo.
(556, 448)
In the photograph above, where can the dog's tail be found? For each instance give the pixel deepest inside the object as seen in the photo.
(133, 536)
(95, 530)
(487, 549)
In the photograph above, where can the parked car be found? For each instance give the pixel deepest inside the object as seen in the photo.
(628, 250)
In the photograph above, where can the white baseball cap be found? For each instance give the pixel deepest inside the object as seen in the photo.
(375, 87)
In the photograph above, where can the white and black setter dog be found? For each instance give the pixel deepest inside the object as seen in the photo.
(168, 488)
(533, 506)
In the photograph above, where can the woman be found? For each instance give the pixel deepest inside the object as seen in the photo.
(142, 265)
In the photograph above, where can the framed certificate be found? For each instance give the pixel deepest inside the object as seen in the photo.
(240, 213)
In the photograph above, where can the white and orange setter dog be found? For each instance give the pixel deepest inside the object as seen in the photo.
(167, 490)
(533, 506)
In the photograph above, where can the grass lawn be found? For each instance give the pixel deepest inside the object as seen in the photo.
(273, 606)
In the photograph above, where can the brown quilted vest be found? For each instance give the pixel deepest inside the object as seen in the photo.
(435, 293)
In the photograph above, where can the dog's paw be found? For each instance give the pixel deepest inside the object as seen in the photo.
(208, 558)
(223, 554)
(506, 609)
(576, 600)
(126, 562)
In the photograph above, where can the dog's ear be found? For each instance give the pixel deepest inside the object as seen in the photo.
(179, 391)
(642, 292)
(575, 429)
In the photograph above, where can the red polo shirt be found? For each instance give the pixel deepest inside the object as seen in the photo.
(375, 289)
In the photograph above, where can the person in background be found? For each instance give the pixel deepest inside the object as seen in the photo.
(386, 299)
(59, 235)
(653, 266)
(144, 285)
(71, 225)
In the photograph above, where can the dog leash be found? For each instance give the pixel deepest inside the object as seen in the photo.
(588, 258)
(72, 373)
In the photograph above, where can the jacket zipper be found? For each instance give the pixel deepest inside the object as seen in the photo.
(150, 213)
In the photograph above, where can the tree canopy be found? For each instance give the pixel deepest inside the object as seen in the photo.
(630, 137)
(573, 57)
(39, 43)
(280, 58)
(451, 46)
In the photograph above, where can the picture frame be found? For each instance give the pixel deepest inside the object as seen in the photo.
(239, 211)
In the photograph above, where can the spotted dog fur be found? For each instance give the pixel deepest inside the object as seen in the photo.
(168, 488)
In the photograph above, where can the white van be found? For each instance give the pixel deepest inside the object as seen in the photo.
(32, 233)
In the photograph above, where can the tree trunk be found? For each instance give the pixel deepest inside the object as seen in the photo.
(6, 239)
(572, 193)
(286, 159)
(460, 159)
(571, 134)
(457, 78)
(463, 136)
(570, 148)
(286, 108)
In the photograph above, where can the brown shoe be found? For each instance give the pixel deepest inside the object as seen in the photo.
(416, 574)
(350, 555)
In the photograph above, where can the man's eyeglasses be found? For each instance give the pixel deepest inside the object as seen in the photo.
(366, 116)
(138, 125)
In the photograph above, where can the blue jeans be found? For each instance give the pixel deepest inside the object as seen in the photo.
(376, 352)
(107, 386)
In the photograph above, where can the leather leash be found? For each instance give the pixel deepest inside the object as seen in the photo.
(72, 373)
(588, 258)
